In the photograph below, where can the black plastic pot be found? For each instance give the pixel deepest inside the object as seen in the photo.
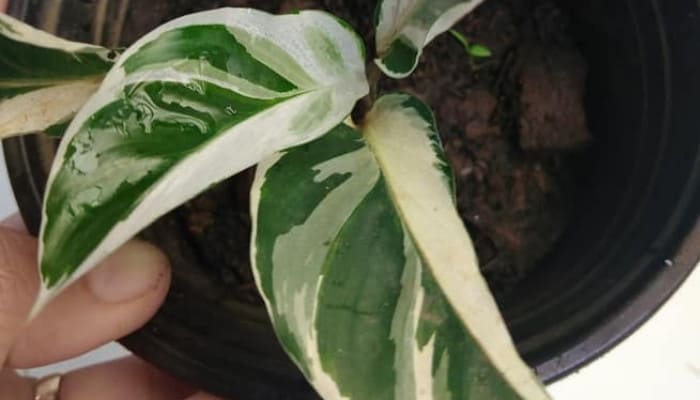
(632, 242)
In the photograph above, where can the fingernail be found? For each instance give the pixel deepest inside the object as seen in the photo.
(129, 273)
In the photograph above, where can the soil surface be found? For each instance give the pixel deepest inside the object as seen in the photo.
(511, 124)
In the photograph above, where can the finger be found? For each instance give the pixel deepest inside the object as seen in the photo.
(108, 303)
(128, 378)
(15, 223)
(3, 5)
(18, 284)
(13, 386)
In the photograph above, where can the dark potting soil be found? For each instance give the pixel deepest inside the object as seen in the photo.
(512, 125)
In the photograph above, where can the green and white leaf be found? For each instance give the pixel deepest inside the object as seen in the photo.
(368, 274)
(44, 80)
(190, 104)
(405, 27)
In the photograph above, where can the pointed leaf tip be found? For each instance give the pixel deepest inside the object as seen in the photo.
(190, 104)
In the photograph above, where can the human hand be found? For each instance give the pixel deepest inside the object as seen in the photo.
(108, 303)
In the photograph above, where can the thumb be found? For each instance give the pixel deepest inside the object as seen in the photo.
(19, 283)
(112, 301)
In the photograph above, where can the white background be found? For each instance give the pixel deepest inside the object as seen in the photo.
(661, 361)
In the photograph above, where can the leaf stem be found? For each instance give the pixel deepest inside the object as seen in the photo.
(374, 75)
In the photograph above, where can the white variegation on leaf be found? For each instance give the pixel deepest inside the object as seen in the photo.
(368, 273)
(44, 80)
(188, 105)
(397, 135)
(405, 27)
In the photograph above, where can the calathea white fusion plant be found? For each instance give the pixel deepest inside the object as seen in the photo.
(366, 269)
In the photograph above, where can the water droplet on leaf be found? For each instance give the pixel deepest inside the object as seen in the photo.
(230, 110)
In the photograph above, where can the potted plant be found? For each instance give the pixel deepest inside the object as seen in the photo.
(308, 151)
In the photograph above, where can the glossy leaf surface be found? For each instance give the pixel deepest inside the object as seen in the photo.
(190, 104)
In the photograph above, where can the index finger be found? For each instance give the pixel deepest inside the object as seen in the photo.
(14, 222)
(18, 284)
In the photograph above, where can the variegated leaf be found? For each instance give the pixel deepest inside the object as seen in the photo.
(44, 80)
(405, 27)
(196, 101)
(368, 274)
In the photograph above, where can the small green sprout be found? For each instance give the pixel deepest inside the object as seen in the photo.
(474, 50)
